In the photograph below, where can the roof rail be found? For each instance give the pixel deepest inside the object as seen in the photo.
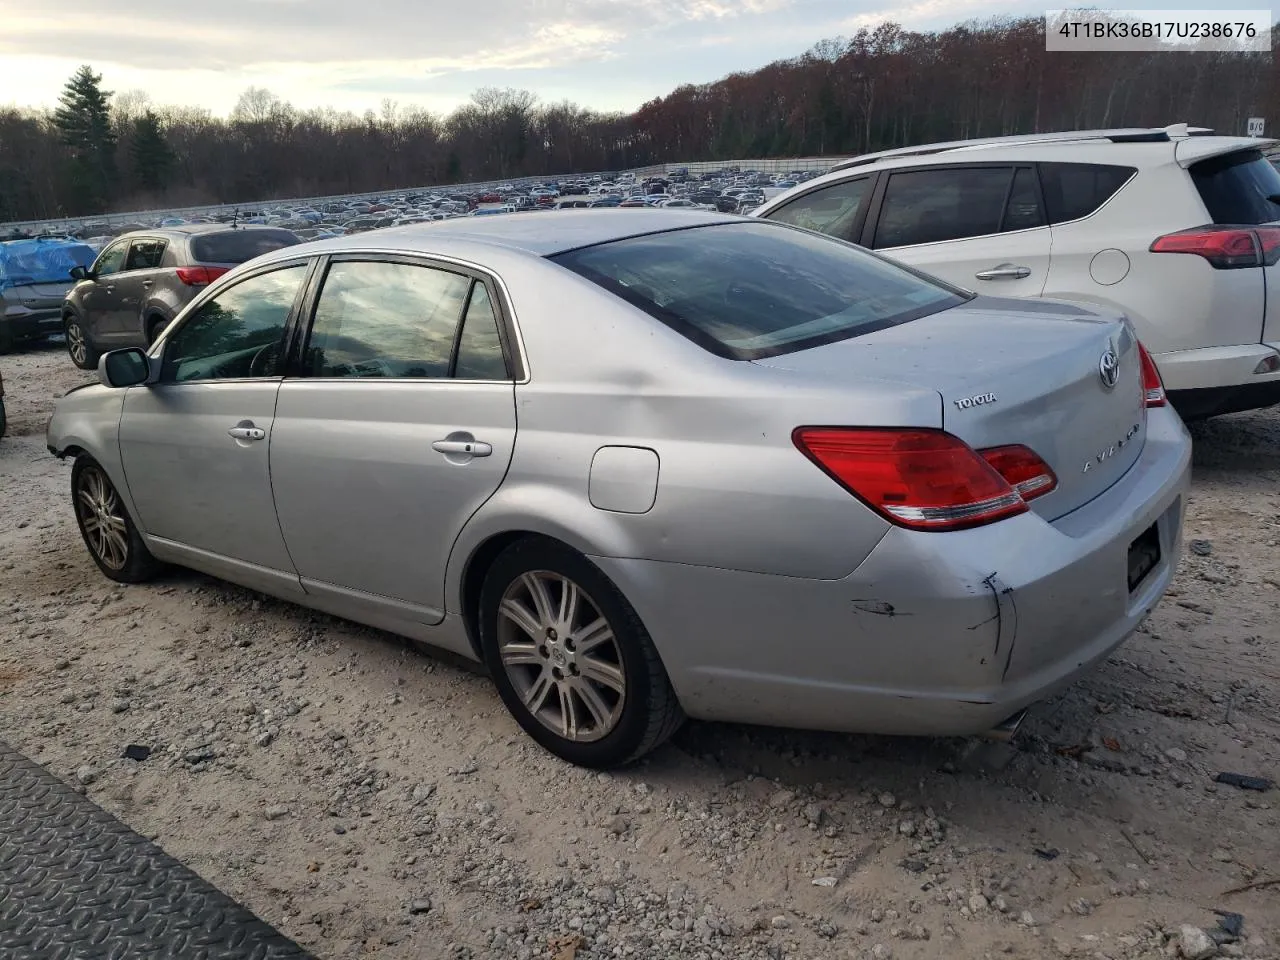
(1122, 135)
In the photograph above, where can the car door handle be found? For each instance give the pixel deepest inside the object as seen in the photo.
(148, 283)
(1005, 271)
(247, 433)
(466, 448)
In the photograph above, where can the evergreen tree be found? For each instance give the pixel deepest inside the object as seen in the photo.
(152, 157)
(83, 119)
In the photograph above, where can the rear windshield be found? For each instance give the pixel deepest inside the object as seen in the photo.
(1235, 188)
(752, 290)
(237, 246)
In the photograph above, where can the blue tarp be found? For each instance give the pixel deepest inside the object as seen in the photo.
(41, 261)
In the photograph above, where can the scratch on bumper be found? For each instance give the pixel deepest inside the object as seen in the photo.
(1006, 618)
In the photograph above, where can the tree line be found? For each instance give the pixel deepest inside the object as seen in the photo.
(99, 151)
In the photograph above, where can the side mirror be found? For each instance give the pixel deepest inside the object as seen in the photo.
(124, 368)
(80, 273)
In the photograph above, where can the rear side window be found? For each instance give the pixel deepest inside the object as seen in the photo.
(751, 290)
(1075, 190)
(1236, 188)
(387, 320)
(929, 206)
(237, 246)
(831, 210)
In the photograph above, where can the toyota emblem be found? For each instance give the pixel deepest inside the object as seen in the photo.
(1109, 369)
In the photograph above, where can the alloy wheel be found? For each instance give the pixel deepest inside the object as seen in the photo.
(76, 344)
(561, 656)
(102, 517)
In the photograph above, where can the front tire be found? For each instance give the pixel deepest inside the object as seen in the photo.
(105, 524)
(80, 348)
(571, 659)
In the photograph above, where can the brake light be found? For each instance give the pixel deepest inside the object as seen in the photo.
(1226, 248)
(1153, 394)
(200, 276)
(1023, 469)
(917, 478)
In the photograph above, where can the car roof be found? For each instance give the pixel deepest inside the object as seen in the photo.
(1070, 141)
(567, 229)
(193, 229)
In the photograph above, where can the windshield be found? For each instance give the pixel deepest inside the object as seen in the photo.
(752, 290)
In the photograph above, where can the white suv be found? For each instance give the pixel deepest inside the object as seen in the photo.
(1176, 228)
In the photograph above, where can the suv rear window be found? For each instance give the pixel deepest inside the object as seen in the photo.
(1235, 188)
(752, 290)
(1075, 190)
(237, 246)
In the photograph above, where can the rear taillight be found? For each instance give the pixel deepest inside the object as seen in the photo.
(918, 478)
(1023, 469)
(1152, 385)
(1226, 248)
(200, 276)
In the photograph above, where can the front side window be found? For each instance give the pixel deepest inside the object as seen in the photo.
(144, 254)
(238, 333)
(751, 290)
(930, 206)
(385, 320)
(832, 210)
(112, 259)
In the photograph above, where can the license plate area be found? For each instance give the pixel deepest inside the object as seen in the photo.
(1144, 556)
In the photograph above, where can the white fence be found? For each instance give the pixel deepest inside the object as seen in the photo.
(77, 225)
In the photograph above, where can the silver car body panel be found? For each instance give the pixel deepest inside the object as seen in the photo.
(772, 594)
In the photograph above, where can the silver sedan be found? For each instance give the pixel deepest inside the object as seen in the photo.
(653, 464)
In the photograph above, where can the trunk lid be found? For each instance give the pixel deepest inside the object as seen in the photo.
(1013, 371)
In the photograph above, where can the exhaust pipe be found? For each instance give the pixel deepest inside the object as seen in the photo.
(1005, 731)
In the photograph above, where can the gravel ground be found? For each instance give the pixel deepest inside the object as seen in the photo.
(371, 800)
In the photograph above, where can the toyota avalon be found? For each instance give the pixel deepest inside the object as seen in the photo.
(652, 464)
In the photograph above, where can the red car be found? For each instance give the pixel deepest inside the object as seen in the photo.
(490, 197)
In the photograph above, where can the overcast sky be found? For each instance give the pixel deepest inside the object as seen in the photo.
(351, 54)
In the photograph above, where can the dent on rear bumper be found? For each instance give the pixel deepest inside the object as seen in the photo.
(935, 633)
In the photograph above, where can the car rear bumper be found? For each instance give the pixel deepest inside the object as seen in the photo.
(1215, 401)
(934, 633)
(1214, 368)
(24, 322)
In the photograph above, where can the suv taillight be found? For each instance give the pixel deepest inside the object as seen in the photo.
(1226, 248)
(200, 276)
(1152, 384)
(922, 479)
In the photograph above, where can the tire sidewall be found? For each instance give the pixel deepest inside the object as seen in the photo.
(90, 359)
(622, 742)
(138, 564)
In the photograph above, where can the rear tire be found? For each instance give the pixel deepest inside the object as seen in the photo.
(79, 347)
(571, 659)
(105, 524)
(6, 335)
